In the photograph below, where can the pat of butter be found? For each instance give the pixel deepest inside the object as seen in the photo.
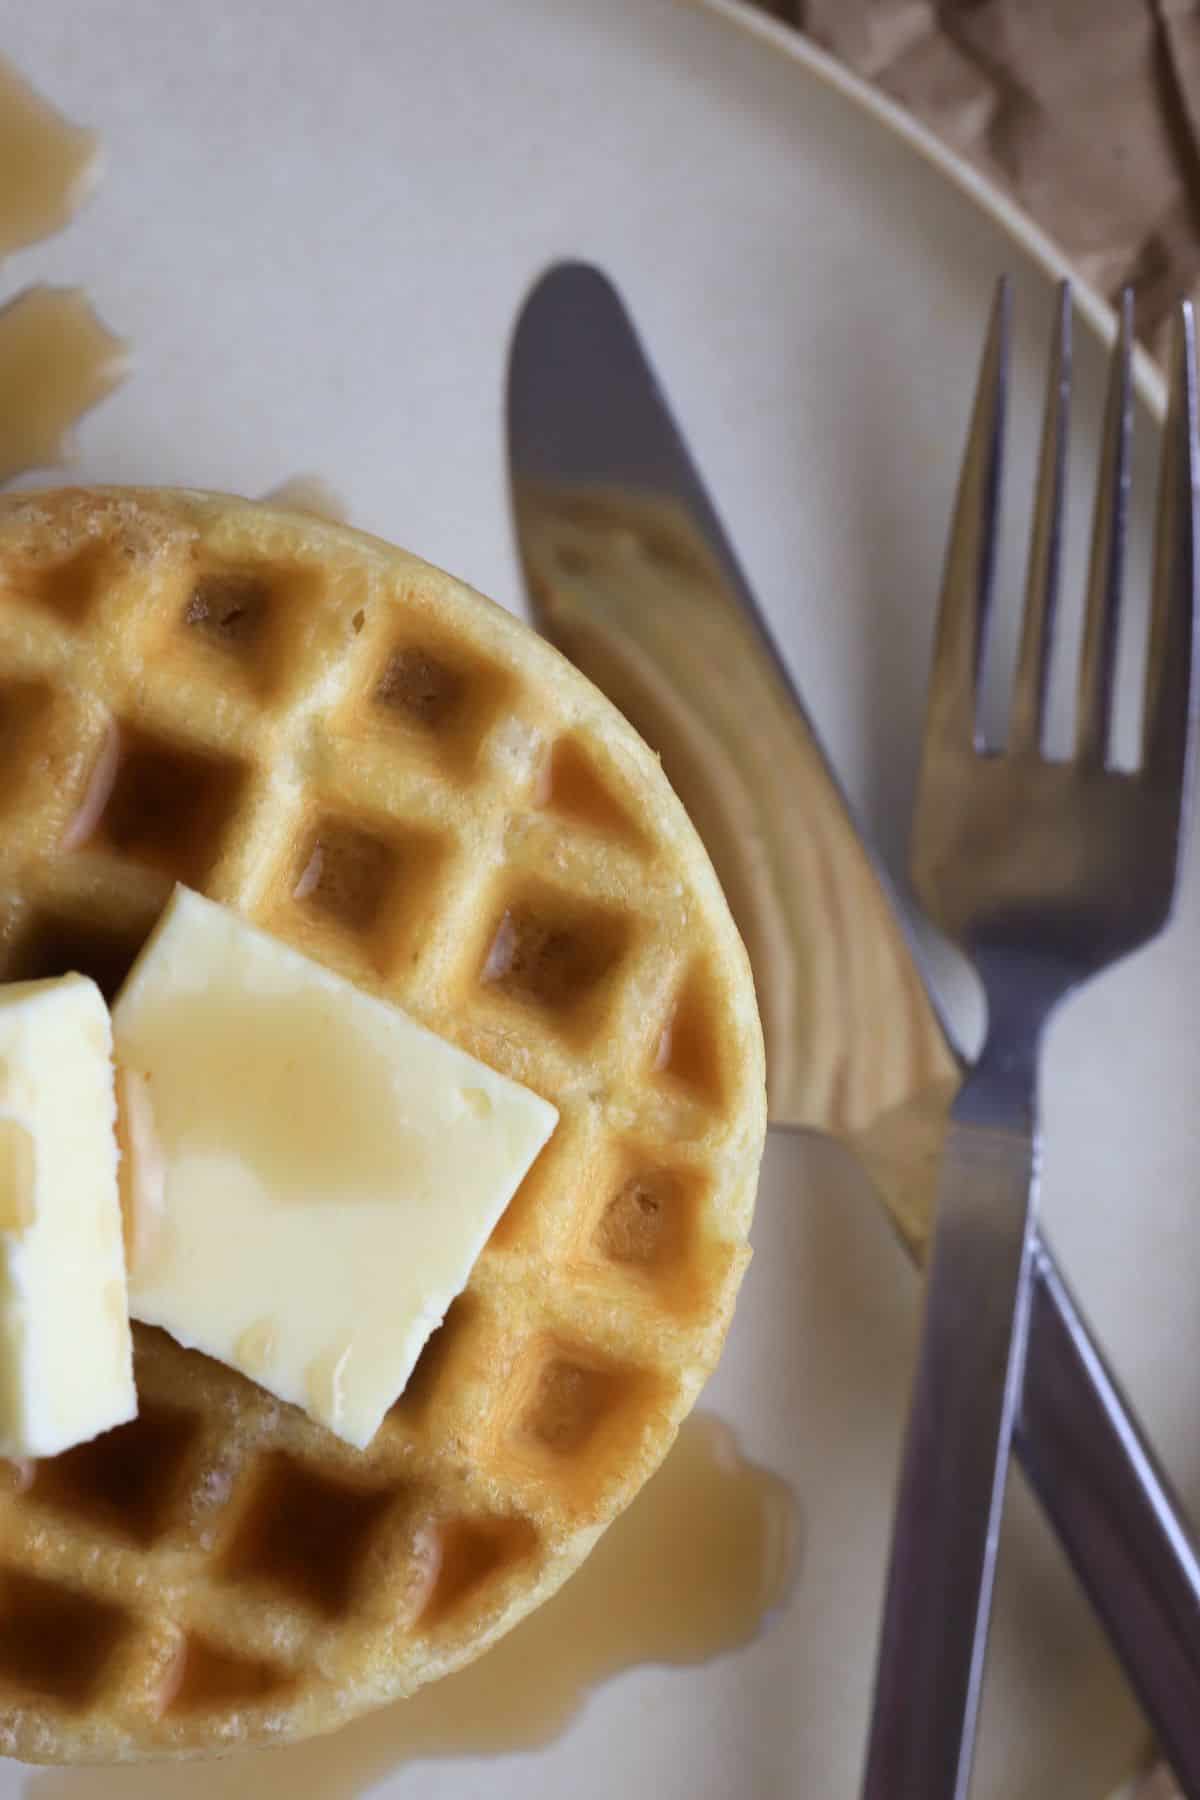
(326, 1171)
(66, 1361)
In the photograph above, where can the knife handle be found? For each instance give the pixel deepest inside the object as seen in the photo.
(1116, 1514)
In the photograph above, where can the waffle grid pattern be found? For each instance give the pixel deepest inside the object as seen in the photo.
(358, 754)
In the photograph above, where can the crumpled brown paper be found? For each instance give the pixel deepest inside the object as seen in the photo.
(1086, 112)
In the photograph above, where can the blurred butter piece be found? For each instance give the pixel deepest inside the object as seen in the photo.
(320, 1171)
(66, 1368)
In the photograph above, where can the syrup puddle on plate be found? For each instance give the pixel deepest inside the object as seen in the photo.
(692, 1570)
(56, 358)
(48, 167)
(57, 361)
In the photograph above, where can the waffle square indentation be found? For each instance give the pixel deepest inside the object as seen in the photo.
(442, 699)
(573, 787)
(307, 1536)
(568, 1403)
(422, 690)
(242, 623)
(554, 953)
(647, 1221)
(573, 1417)
(126, 1481)
(55, 1643)
(229, 608)
(68, 588)
(24, 706)
(206, 1678)
(688, 1054)
(347, 874)
(372, 882)
(170, 805)
(56, 944)
(464, 1555)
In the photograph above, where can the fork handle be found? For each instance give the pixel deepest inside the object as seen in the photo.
(1115, 1513)
(964, 1405)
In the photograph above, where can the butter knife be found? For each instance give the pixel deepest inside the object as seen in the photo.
(631, 574)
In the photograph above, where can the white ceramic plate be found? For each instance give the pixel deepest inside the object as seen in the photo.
(316, 226)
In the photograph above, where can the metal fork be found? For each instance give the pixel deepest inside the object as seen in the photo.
(1045, 872)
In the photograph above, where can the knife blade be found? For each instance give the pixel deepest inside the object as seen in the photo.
(632, 575)
(630, 572)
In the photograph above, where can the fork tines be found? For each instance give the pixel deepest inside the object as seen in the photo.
(971, 555)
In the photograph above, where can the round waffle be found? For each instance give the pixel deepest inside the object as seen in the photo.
(361, 755)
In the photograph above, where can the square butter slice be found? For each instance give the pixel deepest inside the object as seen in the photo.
(324, 1170)
(66, 1364)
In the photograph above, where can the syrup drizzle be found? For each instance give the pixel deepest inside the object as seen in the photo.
(57, 360)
